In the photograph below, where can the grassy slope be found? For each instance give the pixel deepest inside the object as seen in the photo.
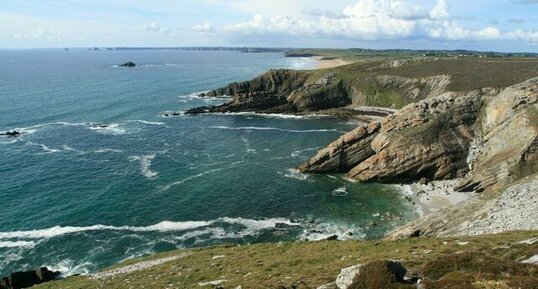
(314, 263)
(368, 55)
(466, 74)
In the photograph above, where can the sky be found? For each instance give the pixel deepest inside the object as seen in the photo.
(487, 25)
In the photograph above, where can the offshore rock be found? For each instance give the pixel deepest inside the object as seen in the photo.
(13, 133)
(128, 64)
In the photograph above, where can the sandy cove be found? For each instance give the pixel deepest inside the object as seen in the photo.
(327, 62)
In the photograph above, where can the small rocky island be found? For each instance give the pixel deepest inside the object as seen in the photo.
(13, 133)
(128, 64)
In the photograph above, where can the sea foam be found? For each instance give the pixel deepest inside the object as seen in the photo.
(145, 165)
(250, 225)
(272, 128)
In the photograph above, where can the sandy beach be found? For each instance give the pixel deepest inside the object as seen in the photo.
(325, 62)
(434, 196)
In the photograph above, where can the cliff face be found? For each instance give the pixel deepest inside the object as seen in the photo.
(265, 93)
(281, 91)
(494, 136)
(392, 84)
(427, 139)
(290, 91)
(506, 145)
(487, 137)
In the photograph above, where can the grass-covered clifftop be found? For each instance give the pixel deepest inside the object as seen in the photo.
(312, 264)
(372, 82)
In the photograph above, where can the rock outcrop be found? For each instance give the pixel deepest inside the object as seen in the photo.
(13, 133)
(491, 135)
(18, 280)
(427, 139)
(381, 274)
(291, 91)
(280, 91)
(505, 148)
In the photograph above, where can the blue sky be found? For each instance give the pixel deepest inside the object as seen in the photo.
(501, 25)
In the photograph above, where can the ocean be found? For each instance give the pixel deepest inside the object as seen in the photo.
(100, 176)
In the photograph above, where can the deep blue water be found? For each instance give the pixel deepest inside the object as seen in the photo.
(77, 196)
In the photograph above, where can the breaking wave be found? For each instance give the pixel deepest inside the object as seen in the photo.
(272, 128)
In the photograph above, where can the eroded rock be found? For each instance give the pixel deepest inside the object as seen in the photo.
(426, 139)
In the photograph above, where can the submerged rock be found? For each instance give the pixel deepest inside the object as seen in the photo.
(128, 64)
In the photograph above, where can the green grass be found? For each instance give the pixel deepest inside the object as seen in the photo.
(308, 263)
(465, 75)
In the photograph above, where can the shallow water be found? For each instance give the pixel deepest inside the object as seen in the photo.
(100, 177)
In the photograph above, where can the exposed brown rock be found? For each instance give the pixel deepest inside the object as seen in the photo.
(427, 139)
(506, 143)
(291, 91)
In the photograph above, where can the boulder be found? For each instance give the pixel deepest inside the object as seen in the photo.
(347, 275)
(375, 275)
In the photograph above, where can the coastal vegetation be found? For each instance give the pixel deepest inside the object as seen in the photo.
(470, 261)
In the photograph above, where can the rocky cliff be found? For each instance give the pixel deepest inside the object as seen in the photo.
(487, 137)
(490, 138)
(341, 90)
(427, 139)
(291, 91)
(506, 143)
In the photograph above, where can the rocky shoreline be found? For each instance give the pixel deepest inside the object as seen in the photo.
(467, 161)
(479, 140)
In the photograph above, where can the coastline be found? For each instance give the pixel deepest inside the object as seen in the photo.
(328, 62)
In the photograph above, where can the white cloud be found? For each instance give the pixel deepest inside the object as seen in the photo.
(379, 20)
(440, 11)
(155, 27)
(204, 28)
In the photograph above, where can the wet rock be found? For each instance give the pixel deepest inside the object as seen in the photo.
(332, 238)
(13, 133)
(128, 64)
(423, 181)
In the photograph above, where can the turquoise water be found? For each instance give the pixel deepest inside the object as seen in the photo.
(100, 177)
